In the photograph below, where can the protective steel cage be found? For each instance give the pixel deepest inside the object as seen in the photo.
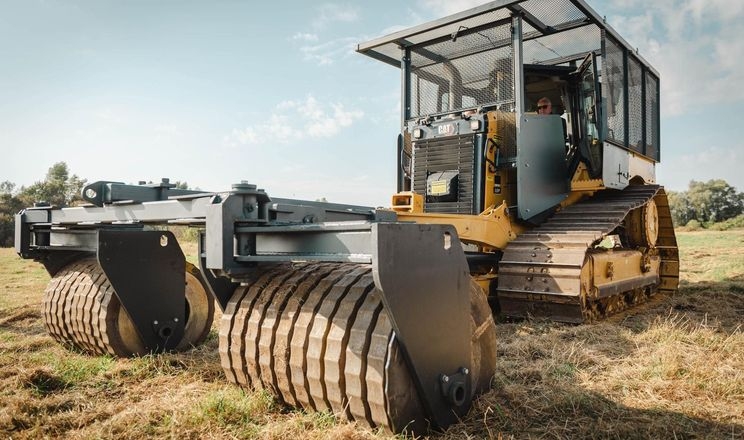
(475, 58)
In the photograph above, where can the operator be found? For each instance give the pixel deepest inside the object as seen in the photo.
(545, 107)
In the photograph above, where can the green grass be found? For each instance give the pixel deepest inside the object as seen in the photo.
(712, 255)
(19, 280)
(670, 369)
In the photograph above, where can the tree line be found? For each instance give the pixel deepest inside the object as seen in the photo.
(59, 188)
(704, 204)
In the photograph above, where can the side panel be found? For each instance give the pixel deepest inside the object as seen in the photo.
(620, 165)
(615, 167)
(643, 167)
(542, 172)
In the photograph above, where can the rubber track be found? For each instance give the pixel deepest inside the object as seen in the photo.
(539, 274)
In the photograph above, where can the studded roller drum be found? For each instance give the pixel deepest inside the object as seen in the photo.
(81, 309)
(318, 337)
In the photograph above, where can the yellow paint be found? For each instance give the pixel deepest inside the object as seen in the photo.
(610, 267)
(408, 201)
(492, 229)
(582, 186)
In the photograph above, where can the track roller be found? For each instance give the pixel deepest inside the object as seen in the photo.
(81, 309)
(317, 336)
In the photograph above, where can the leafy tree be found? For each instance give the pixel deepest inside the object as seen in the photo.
(706, 202)
(7, 187)
(9, 206)
(680, 207)
(715, 200)
(58, 188)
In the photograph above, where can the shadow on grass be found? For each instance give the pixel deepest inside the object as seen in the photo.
(21, 322)
(719, 304)
(570, 412)
(661, 370)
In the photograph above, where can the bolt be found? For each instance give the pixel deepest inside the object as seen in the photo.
(445, 378)
(464, 371)
(154, 323)
(175, 319)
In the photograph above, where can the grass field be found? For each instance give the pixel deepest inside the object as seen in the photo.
(672, 369)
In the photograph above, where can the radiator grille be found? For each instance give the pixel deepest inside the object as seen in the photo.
(444, 154)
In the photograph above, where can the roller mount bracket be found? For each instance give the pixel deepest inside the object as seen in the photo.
(423, 275)
(147, 271)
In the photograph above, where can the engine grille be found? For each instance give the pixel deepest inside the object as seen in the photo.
(445, 154)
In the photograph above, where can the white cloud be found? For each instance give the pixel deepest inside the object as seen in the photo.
(294, 119)
(242, 136)
(333, 12)
(696, 45)
(330, 51)
(304, 36)
(167, 130)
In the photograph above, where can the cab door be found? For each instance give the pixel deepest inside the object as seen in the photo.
(588, 118)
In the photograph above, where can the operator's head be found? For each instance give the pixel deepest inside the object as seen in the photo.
(544, 106)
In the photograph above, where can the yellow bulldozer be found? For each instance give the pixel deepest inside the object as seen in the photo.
(526, 188)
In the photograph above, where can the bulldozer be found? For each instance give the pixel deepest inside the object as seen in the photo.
(385, 316)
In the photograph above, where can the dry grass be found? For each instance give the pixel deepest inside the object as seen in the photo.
(673, 369)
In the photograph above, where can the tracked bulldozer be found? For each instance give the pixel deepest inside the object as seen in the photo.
(385, 316)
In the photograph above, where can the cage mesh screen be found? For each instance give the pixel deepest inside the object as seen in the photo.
(574, 43)
(613, 90)
(460, 26)
(652, 116)
(635, 105)
(553, 12)
(478, 71)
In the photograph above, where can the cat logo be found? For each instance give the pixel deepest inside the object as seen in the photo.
(447, 129)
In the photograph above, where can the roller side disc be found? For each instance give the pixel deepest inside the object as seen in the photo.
(81, 309)
(322, 340)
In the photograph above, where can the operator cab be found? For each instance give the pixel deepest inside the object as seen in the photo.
(471, 138)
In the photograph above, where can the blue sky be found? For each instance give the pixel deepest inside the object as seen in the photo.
(215, 92)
